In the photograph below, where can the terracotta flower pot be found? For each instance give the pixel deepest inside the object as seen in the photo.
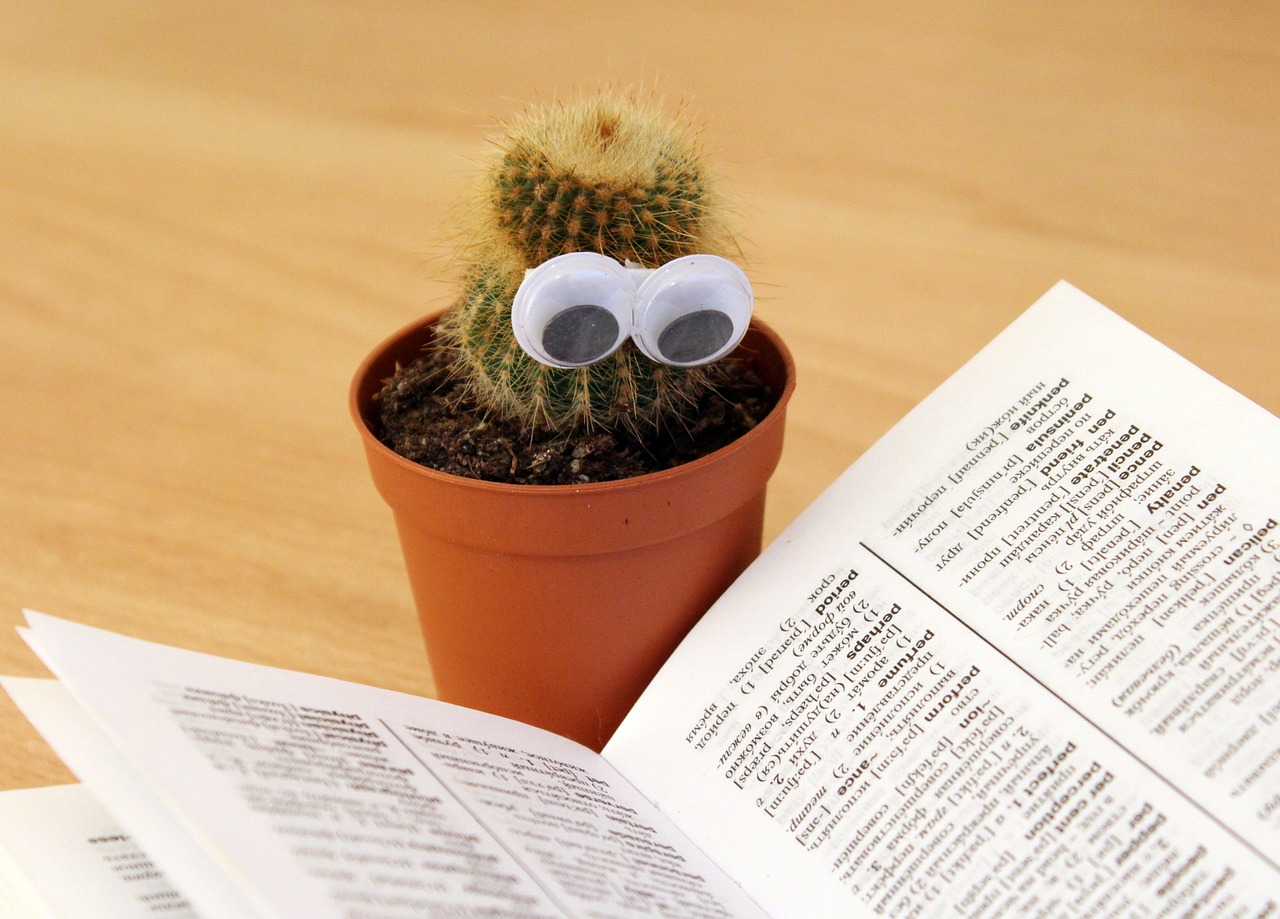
(556, 604)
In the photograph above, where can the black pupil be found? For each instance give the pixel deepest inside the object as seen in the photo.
(695, 336)
(580, 334)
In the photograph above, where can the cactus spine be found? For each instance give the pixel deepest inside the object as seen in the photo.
(606, 174)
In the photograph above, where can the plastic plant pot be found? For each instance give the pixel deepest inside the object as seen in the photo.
(556, 604)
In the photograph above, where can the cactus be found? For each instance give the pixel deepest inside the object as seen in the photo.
(606, 174)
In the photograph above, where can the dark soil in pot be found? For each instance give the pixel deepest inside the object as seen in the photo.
(425, 418)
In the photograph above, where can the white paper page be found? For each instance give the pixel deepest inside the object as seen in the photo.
(95, 760)
(333, 799)
(838, 716)
(76, 861)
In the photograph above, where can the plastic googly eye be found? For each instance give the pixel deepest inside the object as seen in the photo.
(692, 311)
(573, 310)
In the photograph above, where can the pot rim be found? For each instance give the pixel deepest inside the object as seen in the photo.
(360, 385)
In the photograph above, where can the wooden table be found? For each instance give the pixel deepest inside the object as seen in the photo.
(209, 213)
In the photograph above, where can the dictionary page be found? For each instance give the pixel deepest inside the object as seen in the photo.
(50, 835)
(321, 798)
(1022, 656)
(91, 756)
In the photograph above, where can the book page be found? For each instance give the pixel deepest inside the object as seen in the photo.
(51, 835)
(1022, 656)
(323, 798)
(87, 751)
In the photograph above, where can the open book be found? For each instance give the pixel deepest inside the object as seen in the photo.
(1022, 658)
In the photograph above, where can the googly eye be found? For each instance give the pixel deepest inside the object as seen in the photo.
(573, 310)
(692, 310)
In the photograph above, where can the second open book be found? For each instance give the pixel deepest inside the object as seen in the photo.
(1023, 656)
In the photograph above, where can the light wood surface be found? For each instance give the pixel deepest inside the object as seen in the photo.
(210, 212)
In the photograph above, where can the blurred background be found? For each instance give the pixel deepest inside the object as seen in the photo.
(210, 211)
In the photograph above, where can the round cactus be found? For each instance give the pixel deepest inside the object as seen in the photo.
(608, 174)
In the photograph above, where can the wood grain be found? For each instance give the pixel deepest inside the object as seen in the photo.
(210, 212)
